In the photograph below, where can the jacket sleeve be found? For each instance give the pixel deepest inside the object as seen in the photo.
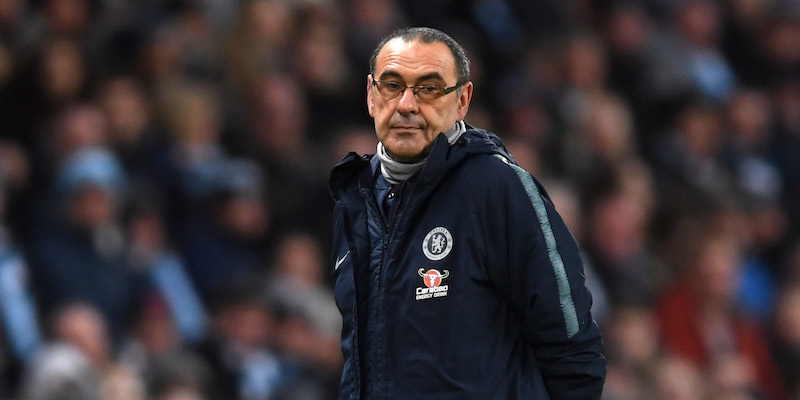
(534, 260)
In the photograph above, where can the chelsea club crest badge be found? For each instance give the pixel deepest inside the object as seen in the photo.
(437, 244)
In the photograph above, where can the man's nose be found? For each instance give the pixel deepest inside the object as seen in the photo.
(408, 102)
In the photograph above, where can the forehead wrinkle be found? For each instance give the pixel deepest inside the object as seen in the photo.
(425, 77)
(416, 60)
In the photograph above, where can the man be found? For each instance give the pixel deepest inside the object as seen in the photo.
(455, 276)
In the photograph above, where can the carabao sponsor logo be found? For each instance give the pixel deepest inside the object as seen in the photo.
(432, 279)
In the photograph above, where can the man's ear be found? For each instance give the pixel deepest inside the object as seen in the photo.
(369, 95)
(464, 99)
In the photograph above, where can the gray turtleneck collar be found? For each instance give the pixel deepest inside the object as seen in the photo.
(396, 172)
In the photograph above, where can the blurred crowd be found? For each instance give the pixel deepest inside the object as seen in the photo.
(164, 212)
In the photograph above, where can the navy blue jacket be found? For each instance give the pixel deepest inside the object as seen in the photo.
(472, 289)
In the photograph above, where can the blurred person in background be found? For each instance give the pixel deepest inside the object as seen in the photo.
(781, 56)
(277, 138)
(627, 31)
(618, 213)
(78, 127)
(192, 116)
(633, 350)
(61, 18)
(584, 67)
(604, 139)
(278, 131)
(193, 33)
(491, 242)
(747, 144)
(132, 131)
(758, 188)
(369, 21)
(179, 42)
(678, 379)
(10, 18)
(698, 24)
(310, 348)
(526, 155)
(757, 227)
(527, 121)
(324, 72)
(61, 372)
(151, 252)
(45, 85)
(790, 265)
(309, 324)
(700, 319)
(81, 254)
(196, 187)
(20, 336)
(82, 326)
(527, 98)
(241, 347)
(748, 155)
(259, 41)
(78, 361)
(181, 377)
(689, 158)
(742, 41)
(16, 166)
(298, 261)
(786, 146)
(678, 59)
(223, 244)
(356, 138)
(785, 335)
(156, 351)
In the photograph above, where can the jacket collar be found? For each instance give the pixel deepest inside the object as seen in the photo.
(442, 158)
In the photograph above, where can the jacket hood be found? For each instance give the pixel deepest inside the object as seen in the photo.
(441, 158)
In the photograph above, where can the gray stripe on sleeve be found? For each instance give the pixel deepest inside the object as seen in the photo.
(564, 292)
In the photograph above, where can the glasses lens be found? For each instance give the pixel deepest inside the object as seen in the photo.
(389, 89)
(428, 92)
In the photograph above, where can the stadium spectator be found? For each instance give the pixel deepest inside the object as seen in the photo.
(699, 319)
(81, 254)
(223, 243)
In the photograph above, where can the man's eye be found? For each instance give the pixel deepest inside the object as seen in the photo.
(393, 86)
(429, 89)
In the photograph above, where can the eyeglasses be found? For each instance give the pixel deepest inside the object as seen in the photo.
(390, 90)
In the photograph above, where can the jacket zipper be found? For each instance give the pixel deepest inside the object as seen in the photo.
(388, 225)
(391, 222)
(371, 384)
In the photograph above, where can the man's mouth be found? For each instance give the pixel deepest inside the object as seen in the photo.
(403, 127)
